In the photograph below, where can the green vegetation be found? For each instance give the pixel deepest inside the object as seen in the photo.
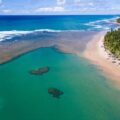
(118, 20)
(112, 42)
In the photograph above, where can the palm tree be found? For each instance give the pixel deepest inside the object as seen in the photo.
(112, 42)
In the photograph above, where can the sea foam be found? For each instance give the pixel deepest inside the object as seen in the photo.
(104, 24)
(7, 35)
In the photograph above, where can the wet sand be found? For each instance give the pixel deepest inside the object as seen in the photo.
(96, 53)
(10, 51)
(68, 42)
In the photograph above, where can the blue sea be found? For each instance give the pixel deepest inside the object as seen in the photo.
(82, 22)
(88, 93)
(12, 26)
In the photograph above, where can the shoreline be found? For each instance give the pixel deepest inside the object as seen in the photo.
(95, 52)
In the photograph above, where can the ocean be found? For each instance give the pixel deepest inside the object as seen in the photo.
(88, 93)
(80, 22)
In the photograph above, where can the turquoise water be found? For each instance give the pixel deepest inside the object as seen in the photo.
(87, 93)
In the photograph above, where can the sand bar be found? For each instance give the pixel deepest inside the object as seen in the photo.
(68, 42)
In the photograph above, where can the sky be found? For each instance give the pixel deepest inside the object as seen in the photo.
(59, 7)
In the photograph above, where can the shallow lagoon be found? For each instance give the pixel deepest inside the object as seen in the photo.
(88, 95)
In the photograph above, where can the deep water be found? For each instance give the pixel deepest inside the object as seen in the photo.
(62, 22)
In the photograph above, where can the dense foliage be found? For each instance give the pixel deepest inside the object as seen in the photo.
(118, 20)
(112, 42)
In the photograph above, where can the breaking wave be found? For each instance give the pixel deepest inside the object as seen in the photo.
(13, 35)
(8, 35)
(104, 24)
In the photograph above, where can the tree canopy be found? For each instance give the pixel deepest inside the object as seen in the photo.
(112, 42)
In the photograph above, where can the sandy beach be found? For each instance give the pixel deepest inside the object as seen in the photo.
(96, 53)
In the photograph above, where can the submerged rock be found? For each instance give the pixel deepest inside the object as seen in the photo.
(55, 92)
(40, 71)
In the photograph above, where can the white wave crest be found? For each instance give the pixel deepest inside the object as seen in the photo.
(104, 24)
(5, 35)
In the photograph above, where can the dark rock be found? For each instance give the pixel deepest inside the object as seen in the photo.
(40, 71)
(55, 92)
